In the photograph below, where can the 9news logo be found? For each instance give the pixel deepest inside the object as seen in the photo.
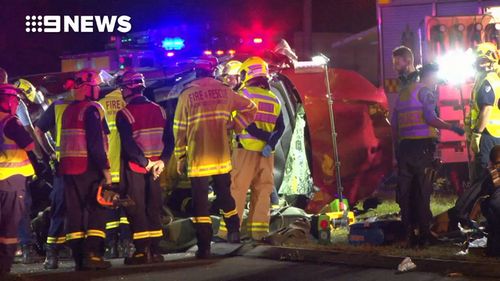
(86, 24)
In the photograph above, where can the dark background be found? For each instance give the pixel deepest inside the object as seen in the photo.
(28, 53)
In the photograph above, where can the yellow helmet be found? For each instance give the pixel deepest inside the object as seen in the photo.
(27, 89)
(232, 67)
(253, 67)
(487, 52)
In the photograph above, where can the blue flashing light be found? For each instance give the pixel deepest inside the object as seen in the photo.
(172, 43)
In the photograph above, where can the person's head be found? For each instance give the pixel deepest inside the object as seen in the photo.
(231, 73)
(9, 98)
(131, 84)
(486, 57)
(429, 75)
(205, 66)
(29, 91)
(403, 60)
(86, 85)
(253, 68)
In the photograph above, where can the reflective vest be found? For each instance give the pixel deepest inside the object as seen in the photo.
(74, 154)
(112, 103)
(268, 110)
(148, 123)
(59, 107)
(13, 159)
(493, 124)
(411, 122)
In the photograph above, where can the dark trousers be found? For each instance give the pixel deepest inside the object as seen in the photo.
(145, 216)
(482, 159)
(414, 188)
(25, 232)
(117, 226)
(222, 185)
(12, 192)
(85, 218)
(56, 235)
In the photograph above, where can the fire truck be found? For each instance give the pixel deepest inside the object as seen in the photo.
(435, 30)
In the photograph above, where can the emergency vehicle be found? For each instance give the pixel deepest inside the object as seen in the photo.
(439, 31)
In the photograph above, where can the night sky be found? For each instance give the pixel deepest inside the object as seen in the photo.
(28, 53)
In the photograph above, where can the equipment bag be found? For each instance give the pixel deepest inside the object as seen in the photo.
(376, 233)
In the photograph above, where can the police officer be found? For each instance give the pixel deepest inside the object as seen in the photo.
(51, 121)
(201, 122)
(15, 166)
(85, 167)
(146, 148)
(117, 227)
(485, 114)
(415, 124)
(253, 160)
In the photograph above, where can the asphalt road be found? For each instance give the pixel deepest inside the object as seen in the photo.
(185, 268)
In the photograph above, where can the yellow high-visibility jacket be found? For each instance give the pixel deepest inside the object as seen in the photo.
(202, 122)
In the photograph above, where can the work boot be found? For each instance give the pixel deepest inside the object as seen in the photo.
(29, 254)
(92, 261)
(136, 258)
(154, 254)
(112, 250)
(234, 237)
(51, 258)
(203, 254)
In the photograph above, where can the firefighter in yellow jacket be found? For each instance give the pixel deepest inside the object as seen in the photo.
(485, 113)
(201, 122)
(15, 166)
(117, 227)
(253, 159)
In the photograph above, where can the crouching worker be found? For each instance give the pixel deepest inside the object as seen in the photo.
(15, 166)
(490, 207)
(146, 147)
(85, 166)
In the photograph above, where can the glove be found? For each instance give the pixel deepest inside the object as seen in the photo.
(474, 142)
(266, 152)
(181, 166)
(459, 131)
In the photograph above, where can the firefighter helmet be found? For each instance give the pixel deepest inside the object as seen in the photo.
(28, 90)
(88, 77)
(132, 79)
(486, 53)
(206, 63)
(253, 67)
(232, 67)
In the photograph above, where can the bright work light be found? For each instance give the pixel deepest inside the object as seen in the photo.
(456, 67)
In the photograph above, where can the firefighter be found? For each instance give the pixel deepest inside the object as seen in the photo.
(117, 227)
(51, 121)
(146, 148)
(25, 232)
(253, 159)
(484, 116)
(415, 125)
(231, 74)
(15, 166)
(202, 148)
(85, 167)
(490, 207)
(403, 63)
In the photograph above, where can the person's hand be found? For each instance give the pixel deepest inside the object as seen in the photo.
(459, 131)
(267, 151)
(107, 177)
(474, 142)
(53, 156)
(157, 169)
(150, 165)
(181, 166)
